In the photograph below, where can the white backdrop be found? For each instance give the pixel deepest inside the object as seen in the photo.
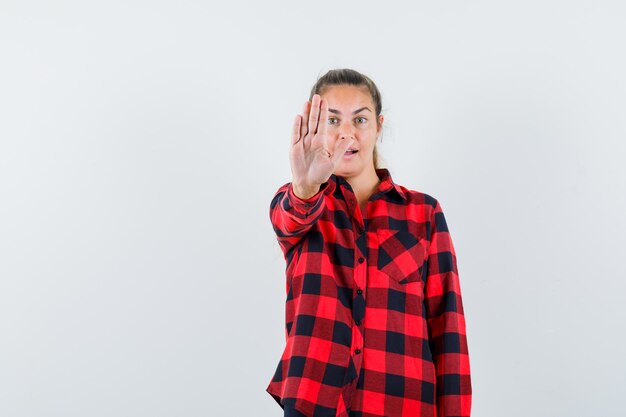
(142, 141)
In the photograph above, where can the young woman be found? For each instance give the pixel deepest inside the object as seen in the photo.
(374, 317)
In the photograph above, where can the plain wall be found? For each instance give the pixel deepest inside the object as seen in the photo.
(141, 143)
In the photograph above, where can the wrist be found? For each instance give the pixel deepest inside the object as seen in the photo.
(304, 192)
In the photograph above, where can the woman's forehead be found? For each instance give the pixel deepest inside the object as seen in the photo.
(347, 98)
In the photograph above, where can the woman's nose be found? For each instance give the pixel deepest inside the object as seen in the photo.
(346, 131)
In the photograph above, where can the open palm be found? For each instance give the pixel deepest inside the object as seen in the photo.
(312, 160)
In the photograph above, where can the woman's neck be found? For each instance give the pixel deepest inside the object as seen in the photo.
(364, 185)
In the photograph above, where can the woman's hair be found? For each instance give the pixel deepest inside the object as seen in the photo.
(346, 76)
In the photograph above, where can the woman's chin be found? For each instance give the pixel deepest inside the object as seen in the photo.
(344, 172)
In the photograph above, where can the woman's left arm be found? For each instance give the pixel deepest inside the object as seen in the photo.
(446, 322)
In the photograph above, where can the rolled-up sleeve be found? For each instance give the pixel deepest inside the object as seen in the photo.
(292, 216)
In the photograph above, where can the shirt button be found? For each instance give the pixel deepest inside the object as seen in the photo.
(359, 291)
(361, 260)
(357, 322)
(357, 351)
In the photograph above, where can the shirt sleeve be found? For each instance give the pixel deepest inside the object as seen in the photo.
(292, 216)
(446, 323)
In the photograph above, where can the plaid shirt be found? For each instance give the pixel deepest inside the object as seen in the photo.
(374, 317)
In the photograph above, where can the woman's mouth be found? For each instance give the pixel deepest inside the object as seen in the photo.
(349, 154)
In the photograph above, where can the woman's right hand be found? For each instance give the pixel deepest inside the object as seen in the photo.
(312, 160)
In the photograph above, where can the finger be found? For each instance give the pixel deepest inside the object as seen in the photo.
(295, 133)
(341, 147)
(314, 115)
(305, 119)
(323, 123)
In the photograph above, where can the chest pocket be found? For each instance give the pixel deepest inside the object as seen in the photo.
(400, 255)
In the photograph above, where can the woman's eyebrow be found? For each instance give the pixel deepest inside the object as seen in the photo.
(354, 112)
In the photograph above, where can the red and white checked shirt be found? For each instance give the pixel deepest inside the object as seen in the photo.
(374, 317)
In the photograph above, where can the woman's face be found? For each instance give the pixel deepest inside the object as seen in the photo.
(351, 113)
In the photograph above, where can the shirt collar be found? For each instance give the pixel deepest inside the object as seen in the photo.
(386, 182)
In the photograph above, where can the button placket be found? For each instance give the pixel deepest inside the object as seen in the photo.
(360, 279)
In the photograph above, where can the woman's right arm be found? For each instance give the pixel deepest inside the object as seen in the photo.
(299, 204)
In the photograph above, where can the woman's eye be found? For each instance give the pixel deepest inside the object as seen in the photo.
(361, 119)
(331, 120)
